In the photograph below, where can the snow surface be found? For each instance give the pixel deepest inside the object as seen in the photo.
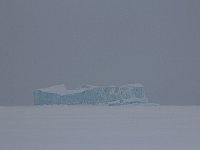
(126, 127)
(62, 90)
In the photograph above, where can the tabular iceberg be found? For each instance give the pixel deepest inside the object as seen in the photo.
(87, 94)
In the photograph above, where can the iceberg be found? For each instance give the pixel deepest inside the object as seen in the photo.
(88, 94)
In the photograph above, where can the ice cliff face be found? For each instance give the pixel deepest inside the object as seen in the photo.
(87, 94)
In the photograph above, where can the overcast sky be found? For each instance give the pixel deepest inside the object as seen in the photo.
(100, 42)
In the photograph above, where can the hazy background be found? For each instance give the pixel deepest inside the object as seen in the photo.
(100, 42)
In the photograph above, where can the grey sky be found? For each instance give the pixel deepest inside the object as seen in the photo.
(101, 42)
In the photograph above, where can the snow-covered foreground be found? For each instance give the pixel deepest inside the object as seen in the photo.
(100, 128)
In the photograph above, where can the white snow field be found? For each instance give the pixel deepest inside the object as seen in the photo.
(126, 127)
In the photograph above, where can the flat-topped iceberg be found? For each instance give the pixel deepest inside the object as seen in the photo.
(88, 94)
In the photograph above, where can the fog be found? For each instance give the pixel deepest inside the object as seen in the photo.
(100, 42)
